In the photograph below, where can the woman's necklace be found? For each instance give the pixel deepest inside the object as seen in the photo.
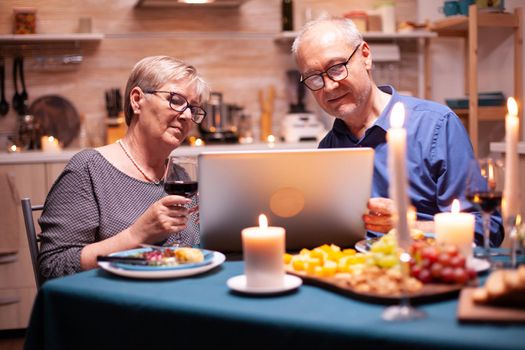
(153, 180)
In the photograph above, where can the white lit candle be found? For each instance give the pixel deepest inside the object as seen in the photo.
(271, 141)
(50, 144)
(511, 186)
(455, 228)
(263, 250)
(396, 138)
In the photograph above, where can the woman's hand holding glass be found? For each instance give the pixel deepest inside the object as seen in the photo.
(181, 180)
(165, 217)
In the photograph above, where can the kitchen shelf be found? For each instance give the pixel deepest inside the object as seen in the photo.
(44, 38)
(458, 25)
(289, 36)
(467, 27)
(175, 3)
(491, 113)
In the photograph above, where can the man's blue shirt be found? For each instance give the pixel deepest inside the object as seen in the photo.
(439, 153)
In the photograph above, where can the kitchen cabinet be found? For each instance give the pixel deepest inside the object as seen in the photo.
(468, 27)
(17, 285)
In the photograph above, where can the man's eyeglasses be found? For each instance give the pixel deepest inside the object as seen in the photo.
(337, 72)
(179, 104)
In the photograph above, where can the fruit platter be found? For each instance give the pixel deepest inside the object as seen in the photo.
(434, 271)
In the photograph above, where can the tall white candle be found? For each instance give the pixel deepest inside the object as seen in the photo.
(511, 187)
(396, 138)
(455, 228)
(263, 251)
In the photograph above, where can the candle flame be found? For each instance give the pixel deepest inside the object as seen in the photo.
(270, 139)
(51, 139)
(512, 106)
(518, 220)
(455, 206)
(491, 172)
(263, 221)
(397, 116)
(13, 148)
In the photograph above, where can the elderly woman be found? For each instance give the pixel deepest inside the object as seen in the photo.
(112, 198)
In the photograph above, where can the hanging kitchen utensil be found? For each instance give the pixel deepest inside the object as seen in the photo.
(4, 106)
(57, 117)
(23, 96)
(16, 96)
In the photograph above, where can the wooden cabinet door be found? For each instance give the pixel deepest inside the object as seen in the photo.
(17, 282)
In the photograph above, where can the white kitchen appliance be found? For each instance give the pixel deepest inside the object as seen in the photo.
(299, 124)
(297, 127)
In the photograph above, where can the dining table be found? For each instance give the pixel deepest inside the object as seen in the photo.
(99, 310)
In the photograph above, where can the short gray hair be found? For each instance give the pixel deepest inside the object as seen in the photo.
(150, 73)
(344, 25)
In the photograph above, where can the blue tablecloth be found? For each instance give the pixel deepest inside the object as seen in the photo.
(97, 310)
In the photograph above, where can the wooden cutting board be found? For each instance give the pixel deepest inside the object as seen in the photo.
(57, 117)
(468, 311)
(429, 292)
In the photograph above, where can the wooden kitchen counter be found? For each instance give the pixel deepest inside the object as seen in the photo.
(190, 151)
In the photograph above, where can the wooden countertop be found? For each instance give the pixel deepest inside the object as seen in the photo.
(191, 151)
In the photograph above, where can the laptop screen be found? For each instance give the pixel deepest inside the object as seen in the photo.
(317, 195)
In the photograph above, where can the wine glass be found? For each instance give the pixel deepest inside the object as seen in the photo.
(181, 179)
(404, 311)
(484, 189)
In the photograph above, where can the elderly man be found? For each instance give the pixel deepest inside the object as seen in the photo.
(336, 65)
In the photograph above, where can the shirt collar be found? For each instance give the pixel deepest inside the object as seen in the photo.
(384, 118)
(383, 121)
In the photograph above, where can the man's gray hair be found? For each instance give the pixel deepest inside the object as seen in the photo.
(344, 25)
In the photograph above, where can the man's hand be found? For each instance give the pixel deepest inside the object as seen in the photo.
(379, 217)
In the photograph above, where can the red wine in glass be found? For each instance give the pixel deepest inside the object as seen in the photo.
(487, 201)
(181, 188)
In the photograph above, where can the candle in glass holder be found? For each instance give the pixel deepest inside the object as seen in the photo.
(455, 228)
(263, 250)
(50, 144)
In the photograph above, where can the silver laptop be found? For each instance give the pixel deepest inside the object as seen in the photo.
(317, 195)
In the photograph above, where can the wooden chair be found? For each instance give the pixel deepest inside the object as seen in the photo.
(32, 236)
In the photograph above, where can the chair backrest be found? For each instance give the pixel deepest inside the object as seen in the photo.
(32, 236)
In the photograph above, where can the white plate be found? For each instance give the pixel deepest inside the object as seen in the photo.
(363, 245)
(218, 258)
(208, 257)
(479, 265)
(238, 284)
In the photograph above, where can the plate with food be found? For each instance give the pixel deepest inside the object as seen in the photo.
(364, 245)
(149, 263)
(423, 238)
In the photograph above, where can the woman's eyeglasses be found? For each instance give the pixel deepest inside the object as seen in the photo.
(179, 104)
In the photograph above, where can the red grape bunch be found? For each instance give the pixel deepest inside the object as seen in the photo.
(439, 264)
